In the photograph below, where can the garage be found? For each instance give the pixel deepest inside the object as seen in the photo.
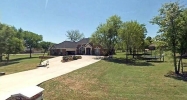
(70, 52)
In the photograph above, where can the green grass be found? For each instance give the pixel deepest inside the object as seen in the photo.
(20, 63)
(115, 80)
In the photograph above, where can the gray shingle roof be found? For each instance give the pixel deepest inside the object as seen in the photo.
(69, 44)
(66, 44)
(84, 41)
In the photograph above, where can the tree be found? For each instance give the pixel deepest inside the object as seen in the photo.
(74, 35)
(171, 26)
(107, 34)
(4, 36)
(14, 45)
(10, 44)
(31, 40)
(132, 35)
(20, 33)
(149, 39)
(45, 46)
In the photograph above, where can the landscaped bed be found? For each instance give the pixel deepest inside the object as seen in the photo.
(70, 58)
(46, 57)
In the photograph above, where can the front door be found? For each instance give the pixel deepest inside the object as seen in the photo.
(88, 51)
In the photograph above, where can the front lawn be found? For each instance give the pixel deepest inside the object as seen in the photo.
(20, 63)
(115, 80)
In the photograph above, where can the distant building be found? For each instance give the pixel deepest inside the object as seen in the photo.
(82, 47)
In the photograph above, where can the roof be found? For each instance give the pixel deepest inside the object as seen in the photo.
(66, 44)
(70, 44)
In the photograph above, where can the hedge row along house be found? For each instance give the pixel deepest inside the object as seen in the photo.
(82, 47)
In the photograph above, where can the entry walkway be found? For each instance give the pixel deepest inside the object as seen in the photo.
(9, 84)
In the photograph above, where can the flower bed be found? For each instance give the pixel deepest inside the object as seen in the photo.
(70, 58)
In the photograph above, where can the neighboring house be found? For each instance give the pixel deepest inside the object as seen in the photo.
(33, 50)
(82, 47)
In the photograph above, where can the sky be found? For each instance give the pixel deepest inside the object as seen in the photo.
(53, 18)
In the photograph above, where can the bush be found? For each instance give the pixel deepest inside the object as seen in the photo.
(74, 58)
(65, 58)
(70, 57)
(79, 57)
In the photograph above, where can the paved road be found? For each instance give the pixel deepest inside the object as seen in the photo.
(9, 84)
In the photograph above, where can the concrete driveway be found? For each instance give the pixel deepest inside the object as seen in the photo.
(9, 84)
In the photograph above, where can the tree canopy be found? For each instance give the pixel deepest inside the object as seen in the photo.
(106, 34)
(118, 34)
(9, 42)
(172, 22)
(132, 35)
(14, 40)
(31, 40)
(74, 35)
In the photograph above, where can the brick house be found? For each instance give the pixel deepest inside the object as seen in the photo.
(82, 47)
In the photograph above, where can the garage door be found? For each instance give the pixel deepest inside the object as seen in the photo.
(71, 52)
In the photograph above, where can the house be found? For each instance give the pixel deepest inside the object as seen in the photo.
(82, 47)
(33, 50)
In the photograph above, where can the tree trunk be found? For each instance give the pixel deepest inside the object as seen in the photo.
(30, 52)
(179, 64)
(42, 57)
(175, 62)
(127, 50)
(1, 57)
(174, 46)
(130, 51)
(160, 55)
(8, 56)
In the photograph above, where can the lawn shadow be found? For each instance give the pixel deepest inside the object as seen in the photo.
(14, 61)
(128, 61)
(156, 61)
(2, 64)
(23, 58)
(180, 76)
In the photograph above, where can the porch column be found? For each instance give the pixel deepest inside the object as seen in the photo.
(85, 51)
(90, 51)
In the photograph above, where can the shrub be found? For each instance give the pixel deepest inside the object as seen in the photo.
(74, 58)
(70, 57)
(65, 58)
(79, 57)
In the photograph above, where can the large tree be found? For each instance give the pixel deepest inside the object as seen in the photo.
(74, 35)
(4, 37)
(132, 35)
(107, 34)
(9, 42)
(172, 22)
(31, 40)
(45, 46)
(14, 45)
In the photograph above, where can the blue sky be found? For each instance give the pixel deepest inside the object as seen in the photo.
(53, 18)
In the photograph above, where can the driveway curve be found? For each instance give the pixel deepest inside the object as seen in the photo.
(9, 84)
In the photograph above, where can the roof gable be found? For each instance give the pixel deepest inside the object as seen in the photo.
(88, 45)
